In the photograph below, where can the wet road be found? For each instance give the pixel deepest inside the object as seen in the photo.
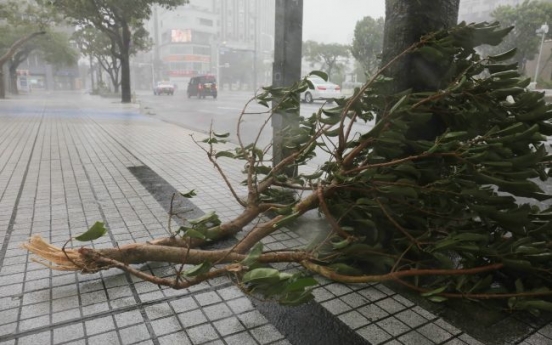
(223, 113)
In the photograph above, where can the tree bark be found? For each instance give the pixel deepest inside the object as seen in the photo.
(125, 65)
(405, 23)
(13, 80)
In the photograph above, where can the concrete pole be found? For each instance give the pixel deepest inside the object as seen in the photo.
(288, 41)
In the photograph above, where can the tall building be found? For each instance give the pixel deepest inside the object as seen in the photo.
(245, 41)
(183, 39)
(233, 39)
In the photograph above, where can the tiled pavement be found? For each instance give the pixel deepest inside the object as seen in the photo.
(64, 164)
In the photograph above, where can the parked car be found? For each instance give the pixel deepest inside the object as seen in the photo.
(163, 87)
(323, 90)
(202, 86)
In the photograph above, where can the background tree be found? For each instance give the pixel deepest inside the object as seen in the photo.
(526, 18)
(328, 55)
(118, 19)
(55, 48)
(96, 44)
(368, 43)
(23, 23)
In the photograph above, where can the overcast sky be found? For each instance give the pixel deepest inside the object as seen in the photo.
(333, 21)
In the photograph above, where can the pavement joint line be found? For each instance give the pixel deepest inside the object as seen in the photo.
(11, 223)
(111, 312)
(135, 294)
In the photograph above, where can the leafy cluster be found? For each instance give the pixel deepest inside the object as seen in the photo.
(398, 202)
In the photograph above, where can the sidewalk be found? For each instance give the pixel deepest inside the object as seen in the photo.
(69, 160)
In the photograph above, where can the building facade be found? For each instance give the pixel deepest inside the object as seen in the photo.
(232, 39)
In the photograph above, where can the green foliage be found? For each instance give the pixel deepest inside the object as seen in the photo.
(96, 231)
(467, 198)
(24, 18)
(121, 20)
(199, 228)
(286, 288)
(368, 43)
(327, 55)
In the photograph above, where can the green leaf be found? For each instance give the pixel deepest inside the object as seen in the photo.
(260, 274)
(221, 135)
(300, 283)
(437, 299)
(190, 194)
(196, 270)
(194, 234)
(227, 154)
(254, 255)
(208, 217)
(398, 104)
(504, 56)
(96, 231)
(293, 300)
(320, 74)
(341, 244)
(434, 292)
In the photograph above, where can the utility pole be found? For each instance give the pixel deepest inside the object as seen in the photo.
(288, 41)
(155, 62)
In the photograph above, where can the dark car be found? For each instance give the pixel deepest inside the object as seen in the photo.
(203, 85)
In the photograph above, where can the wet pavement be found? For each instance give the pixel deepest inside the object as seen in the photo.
(69, 160)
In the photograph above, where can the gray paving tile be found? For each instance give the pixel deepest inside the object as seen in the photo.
(243, 338)
(192, 318)
(336, 306)
(71, 332)
(252, 319)
(43, 338)
(266, 334)
(375, 335)
(166, 325)
(179, 338)
(110, 338)
(411, 318)
(202, 334)
(228, 326)
(240, 305)
(435, 333)
(354, 319)
(217, 311)
(415, 338)
(128, 318)
(134, 334)
(207, 298)
(99, 325)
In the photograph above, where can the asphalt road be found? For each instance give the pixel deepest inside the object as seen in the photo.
(223, 113)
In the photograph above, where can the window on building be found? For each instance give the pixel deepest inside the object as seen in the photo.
(181, 49)
(205, 22)
(202, 50)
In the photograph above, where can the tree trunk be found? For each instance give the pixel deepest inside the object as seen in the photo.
(406, 21)
(125, 65)
(13, 79)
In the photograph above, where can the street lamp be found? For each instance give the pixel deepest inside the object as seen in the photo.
(543, 30)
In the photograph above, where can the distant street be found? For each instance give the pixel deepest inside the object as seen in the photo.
(223, 113)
